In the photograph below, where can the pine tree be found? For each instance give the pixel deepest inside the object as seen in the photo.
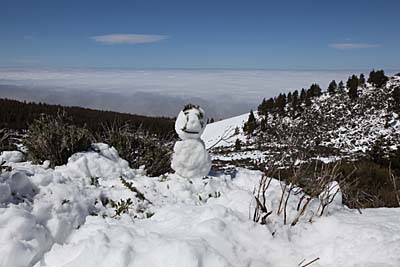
(378, 78)
(396, 99)
(361, 81)
(289, 97)
(295, 100)
(315, 90)
(263, 124)
(341, 87)
(238, 145)
(332, 88)
(352, 85)
(262, 108)
(280, 103)
(303, 95)
(251, 124)
(308, 101)
(270, 104)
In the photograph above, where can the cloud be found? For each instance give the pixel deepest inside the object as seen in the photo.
(129, 38)
(348, 46)
(229, 92)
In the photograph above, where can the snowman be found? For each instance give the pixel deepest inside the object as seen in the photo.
(190, 158)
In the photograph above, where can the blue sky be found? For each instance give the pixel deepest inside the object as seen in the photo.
(200, 34)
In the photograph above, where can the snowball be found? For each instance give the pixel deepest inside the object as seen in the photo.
(190, 159)
(190, 123)
(46, 164)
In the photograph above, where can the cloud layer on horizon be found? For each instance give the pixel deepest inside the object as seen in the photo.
(228, 92)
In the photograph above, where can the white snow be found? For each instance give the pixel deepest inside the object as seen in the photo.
(191, 159)
(190, 123)
(222, 133)
(11, 156)
(57, 217)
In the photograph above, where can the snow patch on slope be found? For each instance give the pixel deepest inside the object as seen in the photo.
(224, 129)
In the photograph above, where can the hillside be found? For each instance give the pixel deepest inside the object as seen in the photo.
(329, 126)
(17, 115)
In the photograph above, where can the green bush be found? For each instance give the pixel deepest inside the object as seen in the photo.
(369, 185)
(5, 141)
(139, 148)
(364, 183)
(55, 138)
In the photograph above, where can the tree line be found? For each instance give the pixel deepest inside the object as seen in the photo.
(297, 100)
(17, 115)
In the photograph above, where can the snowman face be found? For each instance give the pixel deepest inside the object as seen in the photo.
(190, 123)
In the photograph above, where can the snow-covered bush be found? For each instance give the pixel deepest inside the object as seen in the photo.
(5, 141)
(301, 196)
(55, 139)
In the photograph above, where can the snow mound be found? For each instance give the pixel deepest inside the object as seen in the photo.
(66, 221)
(11, 156)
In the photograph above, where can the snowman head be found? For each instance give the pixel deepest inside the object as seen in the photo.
(191, 122)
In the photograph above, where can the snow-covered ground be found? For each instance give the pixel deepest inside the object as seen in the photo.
(222, 133)
(63, 217)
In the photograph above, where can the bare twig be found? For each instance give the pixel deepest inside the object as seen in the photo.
(309, 263)
(226, 135)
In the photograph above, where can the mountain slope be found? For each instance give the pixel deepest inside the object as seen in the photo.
(331, 124)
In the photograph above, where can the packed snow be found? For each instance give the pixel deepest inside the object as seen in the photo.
(63, 217)
(190, 158)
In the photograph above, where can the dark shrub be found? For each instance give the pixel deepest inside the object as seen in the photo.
(378, 78)
(369, 185)
(55, 138)
(138, 148)
(6, 143)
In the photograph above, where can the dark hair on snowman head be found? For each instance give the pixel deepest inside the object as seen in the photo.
(190, 106)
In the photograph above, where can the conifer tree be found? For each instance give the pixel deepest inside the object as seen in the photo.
(361, 81)
(303, 95)
(315, 90)
(280, 103)
(352, 85)
(251, 123)
(378, 78)
(270, 104)
(295, 99)
(262, 108)
(308, 101)
(263, 124)
(238, 145)
(332, 88)
(341, 87)
(396, 99)
(289, 97)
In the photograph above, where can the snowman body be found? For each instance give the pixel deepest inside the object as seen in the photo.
(190, 158)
